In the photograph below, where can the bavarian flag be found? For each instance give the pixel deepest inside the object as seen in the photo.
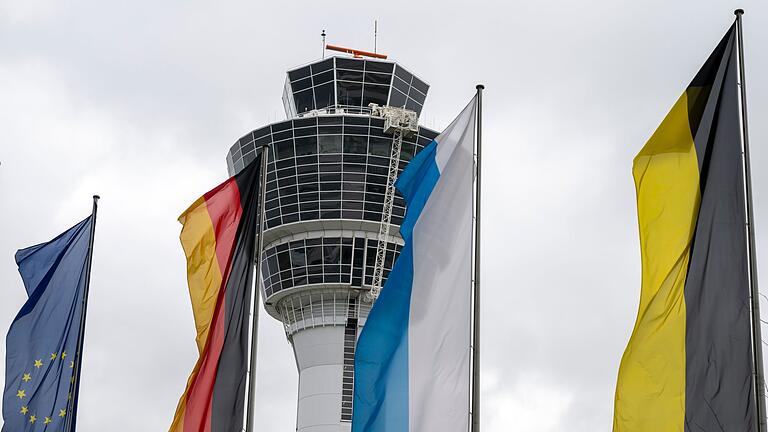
(688, 364)
(218, 236)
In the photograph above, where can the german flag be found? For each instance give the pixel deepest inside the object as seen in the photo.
(218, 237)
(688, 364)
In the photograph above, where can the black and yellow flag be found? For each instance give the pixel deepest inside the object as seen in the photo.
(688, 364)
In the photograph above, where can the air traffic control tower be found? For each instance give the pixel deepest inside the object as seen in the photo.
(333, 215)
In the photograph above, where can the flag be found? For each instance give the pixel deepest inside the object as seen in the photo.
(688, 363)
(218, 236)
(41, 346)
(412, 364)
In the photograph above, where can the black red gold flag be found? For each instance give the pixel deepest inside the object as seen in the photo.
(218, 236)
(688, 364)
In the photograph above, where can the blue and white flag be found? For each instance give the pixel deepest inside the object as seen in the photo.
(412, 364)
(42, 342)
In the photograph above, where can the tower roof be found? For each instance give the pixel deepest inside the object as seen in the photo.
(351, 84)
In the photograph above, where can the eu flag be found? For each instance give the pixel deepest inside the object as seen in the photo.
(41, 346)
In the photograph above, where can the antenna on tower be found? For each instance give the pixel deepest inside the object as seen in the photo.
(375, 34)
(323, 35)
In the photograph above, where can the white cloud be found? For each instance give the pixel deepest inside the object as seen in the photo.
(534, 404)
(140, 101)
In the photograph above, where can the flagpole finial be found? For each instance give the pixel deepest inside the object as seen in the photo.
(479, 86)
(96, 197)
(738, 12)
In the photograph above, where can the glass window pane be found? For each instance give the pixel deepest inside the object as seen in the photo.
(322, 66)
(413, 105)
(284, 149)
(314, 255)
(347, 63)
(355, 144)
(360, 121)
(298, 257)
(349, 75)
(377, 78)
(329, 120)
(353, 177)
(349, 94)
(322, 78)
(330, 143)
(330, 158)
(285, 260)
(417, 96)
(329, 130)
(397, 99)
(346, 255)
(307, 131)
(420, 85)
(331, 254)
(304, 101)
(306, 146)
(298, 73)
(304, 122)
(277, 127)
(279, 136)
(324, 95)
(355, 130)
(376, 66)
(301, 85)
(380, 146)
(403, 74)
(375, 94)
(407, 151)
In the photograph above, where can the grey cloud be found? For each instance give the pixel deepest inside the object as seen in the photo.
(140, 102)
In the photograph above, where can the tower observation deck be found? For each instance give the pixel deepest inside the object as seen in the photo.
(327, 176)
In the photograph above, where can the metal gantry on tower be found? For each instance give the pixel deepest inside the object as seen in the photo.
(400, 122)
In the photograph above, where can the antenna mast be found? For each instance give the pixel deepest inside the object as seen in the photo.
(375, 34)
(323, 35)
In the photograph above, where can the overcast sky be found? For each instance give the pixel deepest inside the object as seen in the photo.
(139, 102)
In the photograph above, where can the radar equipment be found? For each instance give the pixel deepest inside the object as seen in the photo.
(355, 52)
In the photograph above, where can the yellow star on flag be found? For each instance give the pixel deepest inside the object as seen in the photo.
(24, 410)
(26, 377)
(38, 363)
(71, 364)
(62, 413)
(47, 420)
(21, 394)
(32, 418)
(63, 355)
(53, 356)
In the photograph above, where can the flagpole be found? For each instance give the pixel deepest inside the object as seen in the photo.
(75, 385)
(757, 344)
(476, 288)
(256, 292)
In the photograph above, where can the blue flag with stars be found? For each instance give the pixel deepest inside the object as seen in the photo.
(42, 342)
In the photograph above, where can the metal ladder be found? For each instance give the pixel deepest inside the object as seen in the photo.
(348, 373)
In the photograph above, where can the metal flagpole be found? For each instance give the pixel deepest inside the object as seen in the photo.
(476, 287)
(757, 345)
(256, 292)
(75, 383)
